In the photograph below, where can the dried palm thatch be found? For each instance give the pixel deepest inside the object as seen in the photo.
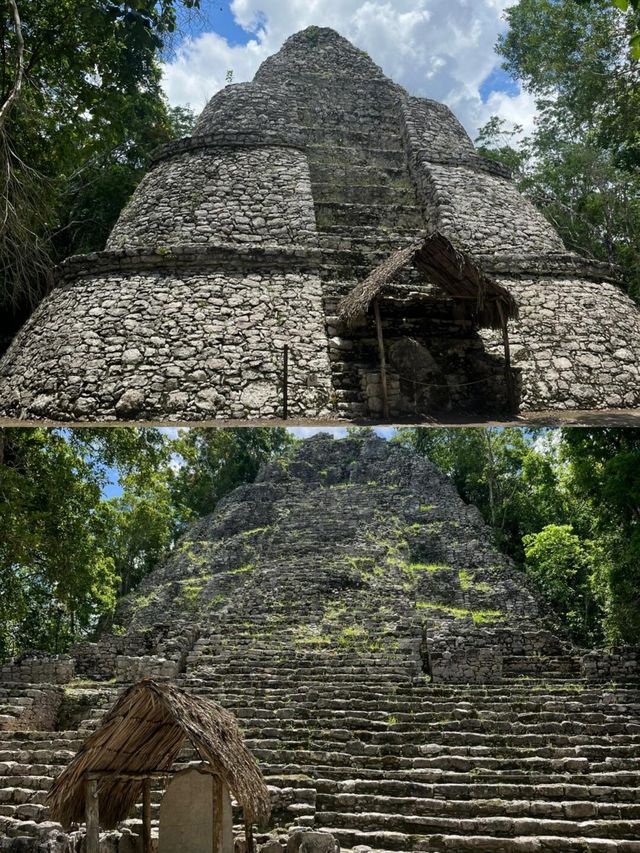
(488, 304)
(144, 733)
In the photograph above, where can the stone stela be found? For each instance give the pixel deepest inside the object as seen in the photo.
(195, 815)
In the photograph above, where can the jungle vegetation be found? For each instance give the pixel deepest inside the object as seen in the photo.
(85, 514)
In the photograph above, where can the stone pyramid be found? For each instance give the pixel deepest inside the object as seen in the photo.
(242, 239)
(393, 673)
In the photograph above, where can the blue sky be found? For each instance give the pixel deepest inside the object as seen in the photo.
(443, 49)
(112, 489)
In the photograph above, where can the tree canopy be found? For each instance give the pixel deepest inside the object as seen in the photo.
(565, 505)
(581, 164)
(81, 109)
(71, 541)
(86, 514)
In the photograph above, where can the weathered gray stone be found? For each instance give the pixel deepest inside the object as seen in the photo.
(195, 815)
(318, 842)
(394, 675)
(243, 238)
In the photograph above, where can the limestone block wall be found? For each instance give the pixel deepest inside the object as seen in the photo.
(329, 53)
(131, 669)
(470, 199)
(30, 709)
(256, 107)
(182, 346)
(239, 196)
(486, 213)
(621, 664)
(39, 669)
(433, 128)
(577, 344)
(458, 651)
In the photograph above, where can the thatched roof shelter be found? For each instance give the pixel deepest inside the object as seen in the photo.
(487, 303)
(142, 737)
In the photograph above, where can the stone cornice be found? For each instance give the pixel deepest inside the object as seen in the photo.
(230, 139)
(550, 265)
(185, 256)
(277, 257)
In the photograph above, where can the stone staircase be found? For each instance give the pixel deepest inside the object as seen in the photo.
(404, 766)
(390, 670)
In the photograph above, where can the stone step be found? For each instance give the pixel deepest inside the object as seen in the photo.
(332, 215)
(377, 718)
(473, 808)
(396, 668)
(517, 695)
(334, 139)
(382, 841)
(485, 826)
(376, 194)
(386, 709)
(556, 792)
(432, 775)
(323, 155)
(437, 739)
(395, 758)
(343, 173)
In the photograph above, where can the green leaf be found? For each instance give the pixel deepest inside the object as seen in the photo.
(621, 4)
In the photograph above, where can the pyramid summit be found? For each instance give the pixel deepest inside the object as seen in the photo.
(393, 674)
(219, 295)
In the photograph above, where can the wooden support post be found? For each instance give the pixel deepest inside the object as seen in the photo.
(511, 397)
(92, 815)
(146, 815)
(285, 384)
(248, 834)
(383, 362)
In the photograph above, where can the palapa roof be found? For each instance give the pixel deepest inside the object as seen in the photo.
(144, 733)
(445, 266)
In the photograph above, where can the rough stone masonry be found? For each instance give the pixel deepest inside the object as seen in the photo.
(394, 675)
(242, 238)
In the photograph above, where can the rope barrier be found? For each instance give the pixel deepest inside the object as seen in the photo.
(449, 385)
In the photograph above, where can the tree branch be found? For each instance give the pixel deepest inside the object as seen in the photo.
(14, 94)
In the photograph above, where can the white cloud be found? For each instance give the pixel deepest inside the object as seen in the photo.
(307, 432)
(442, 49)
(516, 109)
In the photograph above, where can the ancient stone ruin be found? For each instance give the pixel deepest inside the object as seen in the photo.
(217, 295)
(393, 674)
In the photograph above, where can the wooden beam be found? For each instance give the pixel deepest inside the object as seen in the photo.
(146, 816)
(128, 776)
(92, 815)
(383, 362)
(248, 835)
(217, 816)
(511, 397)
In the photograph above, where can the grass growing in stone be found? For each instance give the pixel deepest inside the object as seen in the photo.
(428, 567)
(335, 612)
(248, 567)
(467, 581)
(254, 531)
(356, 638)
(477, 616)
(310, 635)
